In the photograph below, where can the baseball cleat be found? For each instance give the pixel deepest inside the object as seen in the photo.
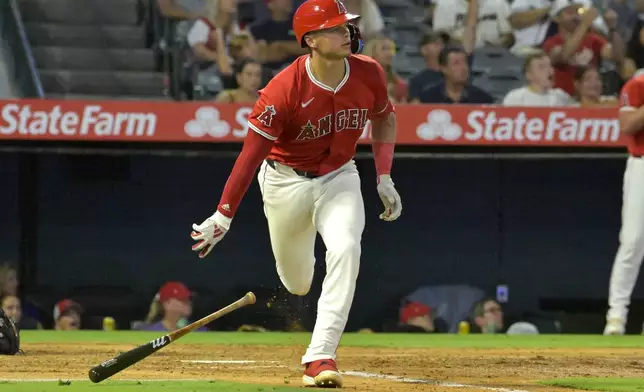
(322, 373)
(614, 327)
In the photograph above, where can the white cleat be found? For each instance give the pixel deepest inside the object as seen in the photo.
(615, 327)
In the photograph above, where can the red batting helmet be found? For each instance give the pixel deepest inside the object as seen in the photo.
(315, 15)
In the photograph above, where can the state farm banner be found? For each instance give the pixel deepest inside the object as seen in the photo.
(215, 123)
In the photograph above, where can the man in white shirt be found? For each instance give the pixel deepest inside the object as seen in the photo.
(539, 92)
(532, 23)
(492, 29)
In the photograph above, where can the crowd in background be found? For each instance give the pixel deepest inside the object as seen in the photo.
(574, 52)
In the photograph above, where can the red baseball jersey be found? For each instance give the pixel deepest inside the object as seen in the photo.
(632, 98)
(316, 127)
(588, 53)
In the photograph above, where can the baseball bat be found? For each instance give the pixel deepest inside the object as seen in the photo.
(122, 361)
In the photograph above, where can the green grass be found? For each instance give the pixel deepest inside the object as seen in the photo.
(348, 339)
(599, 384)
(147, 386)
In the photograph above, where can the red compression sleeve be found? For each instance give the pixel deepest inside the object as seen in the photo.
(254, 151)
(383, 155)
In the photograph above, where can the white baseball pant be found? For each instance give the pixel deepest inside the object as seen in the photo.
(297, 208)
(631, 241)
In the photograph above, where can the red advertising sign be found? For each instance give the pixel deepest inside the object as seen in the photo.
(215, 123)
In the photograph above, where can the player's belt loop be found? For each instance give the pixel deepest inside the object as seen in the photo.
(300, 173)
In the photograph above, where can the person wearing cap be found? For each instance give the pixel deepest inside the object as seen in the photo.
(67, 315)
(172, 306)
(575, 45)
(417, 315)
(275, 37)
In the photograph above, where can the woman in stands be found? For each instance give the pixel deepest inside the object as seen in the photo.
(243, 47)
(588, 87)
(209, 38)
(248, 74)
(383, 51)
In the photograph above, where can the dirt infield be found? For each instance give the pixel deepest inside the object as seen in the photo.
(493, 369)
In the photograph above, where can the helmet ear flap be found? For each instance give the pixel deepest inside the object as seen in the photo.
(357, 44)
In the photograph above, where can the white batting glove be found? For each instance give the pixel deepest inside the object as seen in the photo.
(390, 198)
(209, 233)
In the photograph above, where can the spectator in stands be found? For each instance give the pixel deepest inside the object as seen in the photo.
(454, 88)
(8, 280)
(208, 39)
(275, 37)
(430, 47)
(416, 314)
(531, 22)
(575, 45)
(383, 50)
(627, 15)
(489, 16)
(67, 315)
(635, 43)
(248, 75)
(170, 309)
(588, 86)
(12, 307)
(539, 73)
(243, 47)
(487, 317)
(370, 23)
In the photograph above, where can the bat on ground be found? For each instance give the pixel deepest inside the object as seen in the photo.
(112, 366)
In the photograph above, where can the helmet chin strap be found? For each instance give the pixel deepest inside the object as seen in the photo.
(357, 44)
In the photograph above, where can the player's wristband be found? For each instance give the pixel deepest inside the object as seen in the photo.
(383, 155)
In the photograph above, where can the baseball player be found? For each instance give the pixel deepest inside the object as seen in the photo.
(631, 237)
(303, 132)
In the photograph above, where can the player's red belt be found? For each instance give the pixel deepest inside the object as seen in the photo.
(300, 173)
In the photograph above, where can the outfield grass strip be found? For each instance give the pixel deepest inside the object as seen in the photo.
(348, 339)
(608, 384)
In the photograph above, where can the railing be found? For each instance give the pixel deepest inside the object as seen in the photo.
(22, 63)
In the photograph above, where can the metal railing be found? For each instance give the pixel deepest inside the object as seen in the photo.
(21, 61)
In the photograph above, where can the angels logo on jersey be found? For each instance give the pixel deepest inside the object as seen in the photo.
(341, 8)
(345, 119)
(266, 117)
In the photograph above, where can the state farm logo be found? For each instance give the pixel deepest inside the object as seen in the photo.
(439, 125)
(89, 120)
(207, 122)
(511, 126)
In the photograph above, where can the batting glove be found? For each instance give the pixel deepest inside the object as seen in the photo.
(209, 233)
(390, 198)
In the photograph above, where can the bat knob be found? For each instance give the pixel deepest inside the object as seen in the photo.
(251, 298)
(94, 376)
